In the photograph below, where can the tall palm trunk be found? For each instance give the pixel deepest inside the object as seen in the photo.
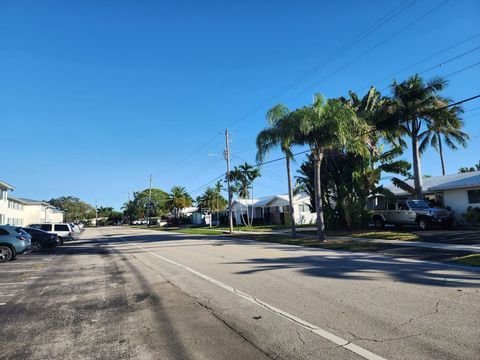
(440, 151)
(417, 171)
(290, 198)
(318, 194)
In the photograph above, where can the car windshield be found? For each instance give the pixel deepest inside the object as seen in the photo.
(418, 205)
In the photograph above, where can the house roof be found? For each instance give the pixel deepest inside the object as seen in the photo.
(447, 182)
(266, 200)
(5, 186)
(33, 202)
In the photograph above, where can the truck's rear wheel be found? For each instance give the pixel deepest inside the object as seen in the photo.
(423, 223)
(378, 222)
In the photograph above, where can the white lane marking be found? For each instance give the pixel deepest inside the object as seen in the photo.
(304, 324)
(3, 304)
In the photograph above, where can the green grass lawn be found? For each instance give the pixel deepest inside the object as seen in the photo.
(373, 234)
(346, 245)
(472, 260)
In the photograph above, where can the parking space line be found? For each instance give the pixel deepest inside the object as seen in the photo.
(3, 304)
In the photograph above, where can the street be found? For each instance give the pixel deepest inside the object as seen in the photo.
(124, 293)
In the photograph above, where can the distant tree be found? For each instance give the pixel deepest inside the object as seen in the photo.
(178, 199)
(74, 208)
(243, 177)
(138, 207)
(212, 199)
(476, 167)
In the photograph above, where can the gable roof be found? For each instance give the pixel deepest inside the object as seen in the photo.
(447, 182)
(5, 186)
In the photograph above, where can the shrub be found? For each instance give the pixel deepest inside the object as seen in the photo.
(472, 215)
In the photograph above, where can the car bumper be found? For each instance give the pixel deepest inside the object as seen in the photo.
(442, 220)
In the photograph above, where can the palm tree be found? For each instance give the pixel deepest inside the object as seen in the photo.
(445, 123)
(413, 105)
(243, 177)
(324, 126)
(476, 167)
(212, 200)
(178, 199)
(282, 133)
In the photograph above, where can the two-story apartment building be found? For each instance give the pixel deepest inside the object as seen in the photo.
(21, 212)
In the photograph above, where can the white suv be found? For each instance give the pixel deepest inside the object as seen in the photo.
(64, 231)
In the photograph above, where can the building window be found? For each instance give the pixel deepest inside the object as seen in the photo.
(302, 208)
(473, 196)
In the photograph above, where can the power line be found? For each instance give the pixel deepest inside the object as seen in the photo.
(444, 63)
(370, 49)
(354, 41)
(423, 60)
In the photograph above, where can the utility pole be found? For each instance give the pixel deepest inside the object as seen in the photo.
(149, 205)
(230, 202)
(96, 213)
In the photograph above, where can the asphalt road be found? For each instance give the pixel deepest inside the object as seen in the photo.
(134, 294)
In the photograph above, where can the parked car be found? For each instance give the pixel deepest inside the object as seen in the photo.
(75, 228)
(42, 239)
(63, 230)
(13, 241)
(412, 212)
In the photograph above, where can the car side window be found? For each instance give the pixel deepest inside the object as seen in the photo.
(402, 206)
(3, 232)
(61, 228)
(46, 227)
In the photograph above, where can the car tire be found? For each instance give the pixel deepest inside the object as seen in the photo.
(423, 223)
(6, 253)
(36, 246)
(378, 222)
(60, 241)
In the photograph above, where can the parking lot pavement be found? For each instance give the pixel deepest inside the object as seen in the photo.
(18, 275)
(83, 301)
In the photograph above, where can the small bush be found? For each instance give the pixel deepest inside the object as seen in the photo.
(472, 215)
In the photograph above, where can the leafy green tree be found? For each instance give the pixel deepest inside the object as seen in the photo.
(74, 208)
(243, 177)
(324, 126)
(138, 207)
(448, 125)
(282, 133)
(413, 105)
(178, 199)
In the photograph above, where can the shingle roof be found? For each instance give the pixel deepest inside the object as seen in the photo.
(447, 182)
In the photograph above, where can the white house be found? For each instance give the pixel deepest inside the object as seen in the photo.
(456, 191)
(22, 212)
(274, 209)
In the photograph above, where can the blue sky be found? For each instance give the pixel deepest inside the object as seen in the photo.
(97, 95)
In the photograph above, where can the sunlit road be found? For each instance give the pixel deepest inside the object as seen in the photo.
(139, 294)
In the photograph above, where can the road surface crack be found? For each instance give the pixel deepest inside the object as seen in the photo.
(358, 338)
(300, 337)
(409, 321)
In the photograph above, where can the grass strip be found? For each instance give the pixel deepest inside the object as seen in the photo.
(471, 260)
